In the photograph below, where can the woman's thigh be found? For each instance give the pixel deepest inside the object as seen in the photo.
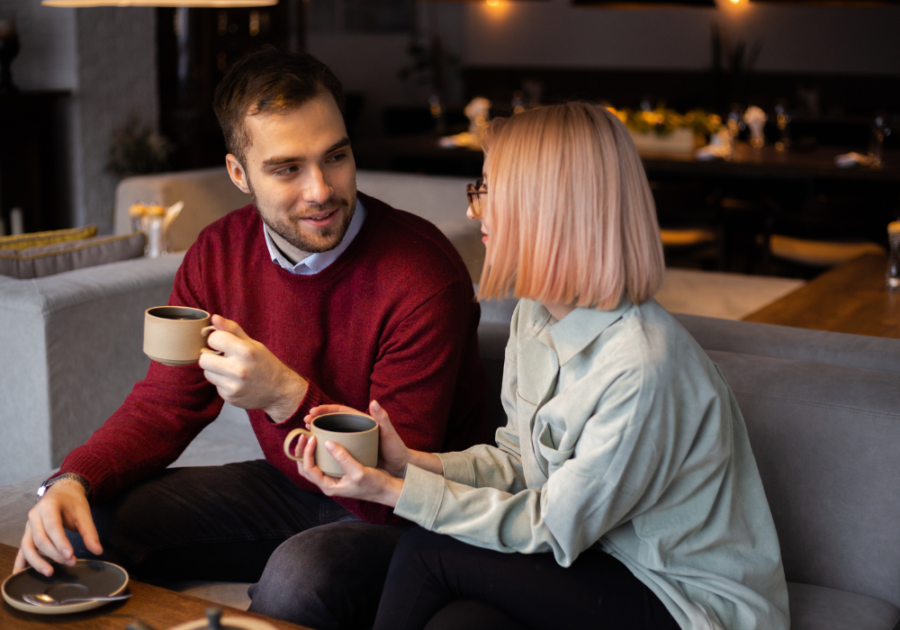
(430, 571)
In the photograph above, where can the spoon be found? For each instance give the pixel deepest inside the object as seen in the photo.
(42, 599)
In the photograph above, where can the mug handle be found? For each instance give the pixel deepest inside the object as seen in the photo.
(290, 438)
(205, 332)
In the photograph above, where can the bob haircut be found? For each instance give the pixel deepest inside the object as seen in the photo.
(569, 210)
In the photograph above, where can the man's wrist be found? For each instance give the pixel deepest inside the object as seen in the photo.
(289, 402)
(75, 477)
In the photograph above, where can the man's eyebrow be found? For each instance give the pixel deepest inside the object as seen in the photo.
(281, 160)
(340, 144)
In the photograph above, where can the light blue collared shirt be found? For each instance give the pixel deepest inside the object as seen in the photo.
(314, 263)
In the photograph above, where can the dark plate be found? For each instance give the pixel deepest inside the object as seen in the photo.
(88, 578)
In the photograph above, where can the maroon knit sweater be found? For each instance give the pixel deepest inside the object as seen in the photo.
(392, 319)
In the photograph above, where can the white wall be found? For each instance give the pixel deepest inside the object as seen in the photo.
(107, 58)
(833, 39)
(116, 78)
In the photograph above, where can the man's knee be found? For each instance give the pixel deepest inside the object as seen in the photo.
(327, 577)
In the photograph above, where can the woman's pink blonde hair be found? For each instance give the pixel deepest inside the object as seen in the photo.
(569, 210)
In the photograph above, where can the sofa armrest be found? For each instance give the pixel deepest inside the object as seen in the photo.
(73, 344)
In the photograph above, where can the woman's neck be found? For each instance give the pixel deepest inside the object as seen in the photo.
(560, 310)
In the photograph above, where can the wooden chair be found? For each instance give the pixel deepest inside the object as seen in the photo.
(822, 232)
(689, 224)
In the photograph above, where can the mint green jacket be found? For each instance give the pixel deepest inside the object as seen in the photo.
(622, 435)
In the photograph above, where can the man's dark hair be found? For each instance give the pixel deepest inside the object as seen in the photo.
(269, 81)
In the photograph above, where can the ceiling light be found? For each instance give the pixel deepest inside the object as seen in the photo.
(218, 4)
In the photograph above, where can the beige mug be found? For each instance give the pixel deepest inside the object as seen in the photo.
(356, 432)
(176, 335)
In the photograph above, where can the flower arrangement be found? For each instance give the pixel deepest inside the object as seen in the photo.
(663, 122)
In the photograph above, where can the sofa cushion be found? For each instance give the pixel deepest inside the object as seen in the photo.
(40, 239)
(47, 260)
(208, 195)
(824, 438)
(820, 608)
(437, 198)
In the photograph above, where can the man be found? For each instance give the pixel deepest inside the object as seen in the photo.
(320, 295)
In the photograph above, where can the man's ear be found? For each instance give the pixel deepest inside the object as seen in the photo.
(237, 173)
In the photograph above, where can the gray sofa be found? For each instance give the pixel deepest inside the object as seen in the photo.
(823, 414)
(822, 409)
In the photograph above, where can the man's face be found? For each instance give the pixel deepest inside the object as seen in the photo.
(300, 171)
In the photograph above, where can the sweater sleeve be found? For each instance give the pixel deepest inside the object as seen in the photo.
(160, 417)
(415, 375)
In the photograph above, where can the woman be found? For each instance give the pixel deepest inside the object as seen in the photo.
(623, 492)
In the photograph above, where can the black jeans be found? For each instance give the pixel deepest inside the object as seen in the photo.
(439, 583)
(315, 563)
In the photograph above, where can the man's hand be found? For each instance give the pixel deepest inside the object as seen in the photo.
(393, 456)
(248, 375)
(63, 506)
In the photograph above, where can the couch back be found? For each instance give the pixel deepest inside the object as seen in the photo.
(208, 195)
(823, 414)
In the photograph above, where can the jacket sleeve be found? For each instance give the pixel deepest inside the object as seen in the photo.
(611, 477)
(159, 418)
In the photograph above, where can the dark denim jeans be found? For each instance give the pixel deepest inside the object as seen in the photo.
(315, 563)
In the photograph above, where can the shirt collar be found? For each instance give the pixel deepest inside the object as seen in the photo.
(314, 263)
(579, 328)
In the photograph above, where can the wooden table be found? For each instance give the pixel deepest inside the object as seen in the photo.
(160, 608)
(850, 298)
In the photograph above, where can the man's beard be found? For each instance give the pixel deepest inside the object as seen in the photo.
(326, 240)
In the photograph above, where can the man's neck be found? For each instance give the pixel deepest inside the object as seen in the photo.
(290, 252)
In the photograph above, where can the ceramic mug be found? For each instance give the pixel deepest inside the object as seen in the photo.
(356, 432)
(176, 335)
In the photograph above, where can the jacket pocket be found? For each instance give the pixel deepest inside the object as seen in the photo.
(547, 446)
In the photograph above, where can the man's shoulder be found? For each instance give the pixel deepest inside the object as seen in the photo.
(406, 239)
(242, 217)
(232, 232)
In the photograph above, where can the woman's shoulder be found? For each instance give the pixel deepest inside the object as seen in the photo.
(648, 343)
(653, 346)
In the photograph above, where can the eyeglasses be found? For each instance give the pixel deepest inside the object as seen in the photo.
(474, 192)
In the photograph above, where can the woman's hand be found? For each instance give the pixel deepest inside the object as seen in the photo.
(358, 482)
(393, 456)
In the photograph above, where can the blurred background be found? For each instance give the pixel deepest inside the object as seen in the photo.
(97, 94)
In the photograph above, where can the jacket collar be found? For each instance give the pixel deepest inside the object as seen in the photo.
(576, 330)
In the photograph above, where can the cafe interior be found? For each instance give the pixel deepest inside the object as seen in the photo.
(770, 135)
